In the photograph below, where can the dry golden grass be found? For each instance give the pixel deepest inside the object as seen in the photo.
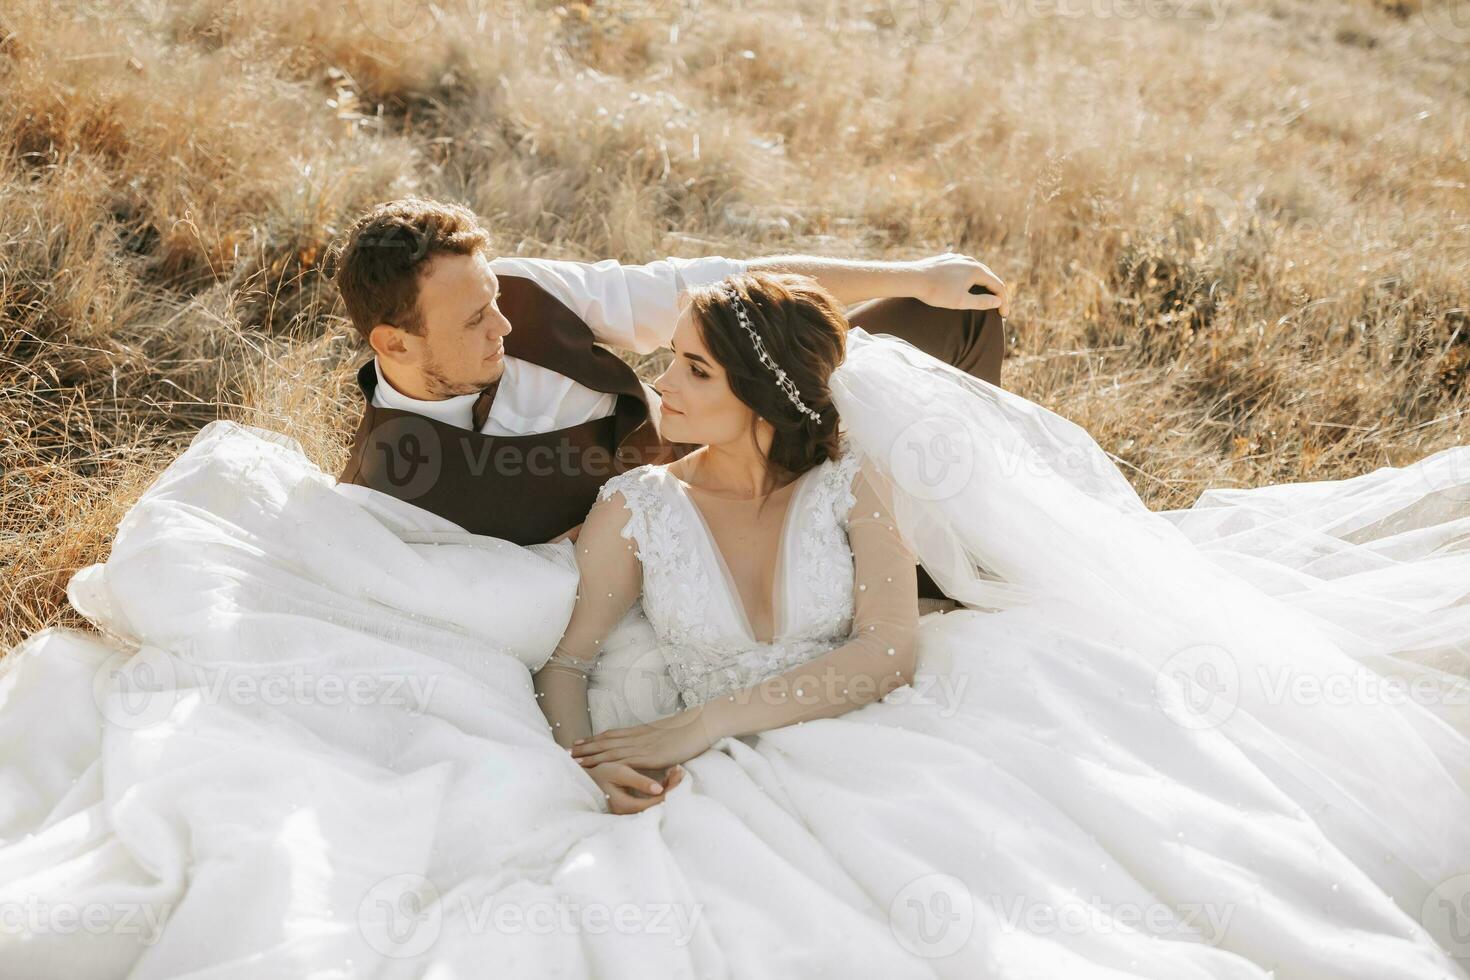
(1237, 229)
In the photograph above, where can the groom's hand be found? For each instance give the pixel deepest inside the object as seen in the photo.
(957, 282)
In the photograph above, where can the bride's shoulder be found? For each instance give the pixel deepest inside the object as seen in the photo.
(635, 484)
(855, 484)
(836, 481)
(636, 503)
(847, 463)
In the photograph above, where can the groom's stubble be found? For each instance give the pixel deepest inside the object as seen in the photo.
(439, 383)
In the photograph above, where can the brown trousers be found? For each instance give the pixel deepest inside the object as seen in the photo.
(972, 340)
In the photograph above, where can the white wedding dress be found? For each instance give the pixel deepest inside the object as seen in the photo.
(306, 744)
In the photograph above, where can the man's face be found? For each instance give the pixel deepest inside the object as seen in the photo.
(461, 348)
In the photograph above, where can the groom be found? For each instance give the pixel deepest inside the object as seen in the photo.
(488, 401)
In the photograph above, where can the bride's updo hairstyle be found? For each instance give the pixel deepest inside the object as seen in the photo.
(804, 331)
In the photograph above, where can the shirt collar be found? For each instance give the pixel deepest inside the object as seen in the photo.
(457, 410)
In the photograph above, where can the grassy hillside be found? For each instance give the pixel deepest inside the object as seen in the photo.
(1238, 230)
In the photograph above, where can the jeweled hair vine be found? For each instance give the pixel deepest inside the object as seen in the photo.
(782, 379)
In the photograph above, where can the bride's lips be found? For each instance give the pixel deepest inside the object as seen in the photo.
(671, 410)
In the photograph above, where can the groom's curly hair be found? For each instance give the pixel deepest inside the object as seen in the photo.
(804, 331)
(385, 251)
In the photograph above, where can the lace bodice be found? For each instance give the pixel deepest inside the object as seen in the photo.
(692, 602)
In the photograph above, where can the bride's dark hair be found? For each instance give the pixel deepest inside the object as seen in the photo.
(804, 331)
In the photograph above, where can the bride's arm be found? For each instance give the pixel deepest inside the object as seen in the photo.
(611, 580)
(878, 657)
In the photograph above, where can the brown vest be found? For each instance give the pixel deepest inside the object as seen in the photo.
(525, 489)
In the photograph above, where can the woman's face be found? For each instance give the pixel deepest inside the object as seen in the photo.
(698, 405)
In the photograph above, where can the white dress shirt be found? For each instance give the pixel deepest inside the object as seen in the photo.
(630, 306)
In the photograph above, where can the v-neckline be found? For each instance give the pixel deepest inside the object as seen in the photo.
(778, 577)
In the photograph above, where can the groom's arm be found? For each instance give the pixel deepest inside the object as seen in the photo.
(950, 281)
(635, 307)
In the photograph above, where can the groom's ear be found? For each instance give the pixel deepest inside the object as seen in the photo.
(387, 341)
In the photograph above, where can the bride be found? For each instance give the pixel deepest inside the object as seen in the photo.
(1230, 741)
(718, 546)
(1139, 726)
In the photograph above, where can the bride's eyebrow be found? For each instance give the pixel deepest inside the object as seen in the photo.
(692, 357)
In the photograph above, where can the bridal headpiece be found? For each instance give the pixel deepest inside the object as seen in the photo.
(787, 385)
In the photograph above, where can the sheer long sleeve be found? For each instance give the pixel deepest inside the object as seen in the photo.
(611, 581)
(881, 651)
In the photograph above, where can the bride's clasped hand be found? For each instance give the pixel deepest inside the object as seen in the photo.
(659, 744)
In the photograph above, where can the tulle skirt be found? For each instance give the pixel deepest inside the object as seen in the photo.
(305, 743)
